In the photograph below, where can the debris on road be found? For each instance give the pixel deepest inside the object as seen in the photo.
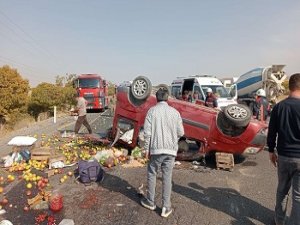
(51, 157)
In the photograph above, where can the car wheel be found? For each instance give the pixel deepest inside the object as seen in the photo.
(141, 88)
(238, 115)
(227, 127)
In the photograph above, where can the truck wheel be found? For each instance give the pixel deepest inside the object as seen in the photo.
(141, 88)
(238, 115)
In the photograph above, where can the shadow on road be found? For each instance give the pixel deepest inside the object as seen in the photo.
(228, 201)
(116, 184)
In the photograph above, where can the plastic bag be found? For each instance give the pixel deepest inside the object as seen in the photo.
(127, 136)
(67, 222)
(10, 159)
(5, 222)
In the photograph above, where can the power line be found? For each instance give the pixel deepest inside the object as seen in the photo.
(36, 45)
(55, 61)
(26, 67)
(14, 41)
(17, 63)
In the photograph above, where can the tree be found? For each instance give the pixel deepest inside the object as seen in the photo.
(13, 94)
(111, 89)
(65, 81)
(44, 97)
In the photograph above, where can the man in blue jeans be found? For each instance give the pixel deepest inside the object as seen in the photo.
(284, 134)
(162, 129)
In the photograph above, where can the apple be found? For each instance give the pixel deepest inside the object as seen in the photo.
(29, 185)
(4, 201)
(46, 180)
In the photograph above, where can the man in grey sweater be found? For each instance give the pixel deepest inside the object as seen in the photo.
(162, 129)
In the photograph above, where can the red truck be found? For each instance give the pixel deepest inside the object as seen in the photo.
(94, 89)
(231, 130)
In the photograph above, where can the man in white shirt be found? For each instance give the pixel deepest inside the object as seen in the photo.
(162, 128)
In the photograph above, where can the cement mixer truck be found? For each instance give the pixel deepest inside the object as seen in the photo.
(268, 78)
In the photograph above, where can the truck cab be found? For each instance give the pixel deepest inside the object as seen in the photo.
(200, 83)
(94, 89)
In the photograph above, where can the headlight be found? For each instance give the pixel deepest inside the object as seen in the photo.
(251, 150)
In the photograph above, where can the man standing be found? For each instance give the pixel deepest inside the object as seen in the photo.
(162, 129)
(261, 105)
(81, 110)
(211, 99)
(284, 134)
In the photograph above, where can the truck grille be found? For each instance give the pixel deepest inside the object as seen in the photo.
(90, 99)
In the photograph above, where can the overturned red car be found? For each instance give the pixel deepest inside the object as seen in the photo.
(231, 130)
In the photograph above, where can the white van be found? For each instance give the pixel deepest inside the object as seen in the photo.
(201, 83)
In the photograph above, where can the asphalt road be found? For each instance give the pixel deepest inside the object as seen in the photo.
(202, 195)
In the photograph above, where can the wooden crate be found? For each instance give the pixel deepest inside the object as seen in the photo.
(224, 161)
(56, 158)
(42, 153)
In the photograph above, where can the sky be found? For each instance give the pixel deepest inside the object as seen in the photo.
(160, 39)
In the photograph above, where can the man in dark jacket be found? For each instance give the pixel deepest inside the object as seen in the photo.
(284, 135)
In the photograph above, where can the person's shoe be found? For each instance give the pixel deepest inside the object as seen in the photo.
(165, 212)
(147, 204)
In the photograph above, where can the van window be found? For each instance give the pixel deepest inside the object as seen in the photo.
(199, 92)
(175, 91)
(219, 91)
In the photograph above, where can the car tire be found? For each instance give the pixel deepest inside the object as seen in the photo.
(227, 127)
(141, 88)
(238, 115)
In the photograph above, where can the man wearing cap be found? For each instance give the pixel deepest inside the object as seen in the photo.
(211, 99)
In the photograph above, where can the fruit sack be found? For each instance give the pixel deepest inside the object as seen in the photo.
(90, 171)
(22, 141)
